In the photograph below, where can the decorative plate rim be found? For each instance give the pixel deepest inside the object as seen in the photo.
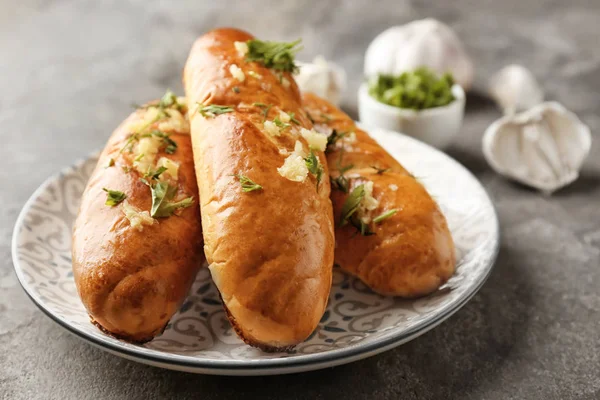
(331, 357)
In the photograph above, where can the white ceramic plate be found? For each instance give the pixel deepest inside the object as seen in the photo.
(357, 323)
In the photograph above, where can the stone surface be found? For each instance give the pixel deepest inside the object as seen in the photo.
(70, 69)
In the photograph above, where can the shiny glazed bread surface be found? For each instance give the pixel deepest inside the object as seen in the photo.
(132, 281)
(410, 253)
(270, 250)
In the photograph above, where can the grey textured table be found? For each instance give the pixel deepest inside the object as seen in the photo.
(70, 69)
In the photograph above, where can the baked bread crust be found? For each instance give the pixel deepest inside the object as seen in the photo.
(132, 280)
(270, 250)
(411, 253)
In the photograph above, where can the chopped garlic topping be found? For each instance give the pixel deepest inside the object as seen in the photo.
(241, 47)
(175, 123)
(393, 187)
(285, 82)
(316, 140)
(137, 218)
(255, 75)
(283, 152)
(145, 153)
(181, 101)
(265, 86)
(237, 72)
(271, 128)
(294, 167)
(368, 203)
(284, 117)
(244, 106)
(150, 115)
(171, 166)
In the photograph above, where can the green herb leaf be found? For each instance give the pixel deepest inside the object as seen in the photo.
(361, 227)
(139, 157)
(114, 197)
(333, 138)
(293, 118)
(314, 166)
(213, 110)
(265, 108)
(155, 174)
(385, 215)
(169, 99)
(170, 144)
(351, 204)
(110, 163)
(169, 208)
(380, 171)
(418, 90)
(236, 89)
(162, 194)
(248, 185)
(280, 124)
(276, 55)
(340, 183)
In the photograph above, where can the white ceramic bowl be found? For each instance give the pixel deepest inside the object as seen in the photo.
(436, 126)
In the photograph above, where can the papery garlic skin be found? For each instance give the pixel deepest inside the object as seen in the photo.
(323, 78)
(515, 89)
(543, 147)
(425, 42)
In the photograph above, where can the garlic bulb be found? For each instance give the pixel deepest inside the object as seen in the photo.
(515, 89)
(543, 147)
(323, 78)
(426, 42)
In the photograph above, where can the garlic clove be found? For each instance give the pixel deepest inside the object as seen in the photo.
(426, 42)
(322, 77)
(515, 89)
(543, 147)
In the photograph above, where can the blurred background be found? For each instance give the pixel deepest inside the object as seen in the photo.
(69, 71)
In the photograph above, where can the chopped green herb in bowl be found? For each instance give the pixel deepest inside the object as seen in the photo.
(417, 90)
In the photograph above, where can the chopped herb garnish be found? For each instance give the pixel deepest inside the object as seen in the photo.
(293, 118)
(351, 204)
(170, 144)
(126, 169)
(276, 55)
(248, 185)
(236, 89)
(265, 108)
(168, 100)
(418, 90)
(139, 157)
(350, 208)
(280, 124)
(333, 138)
(384, 216)
(314, 166)
(155, 174)
(110, 163)
(340, 183)
(312, 120)
(162, 194)
(212, 110)
(114, 197)
(380, 171)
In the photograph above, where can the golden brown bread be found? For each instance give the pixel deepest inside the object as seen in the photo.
(270, 250)
(132, 271)
(411, 252)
